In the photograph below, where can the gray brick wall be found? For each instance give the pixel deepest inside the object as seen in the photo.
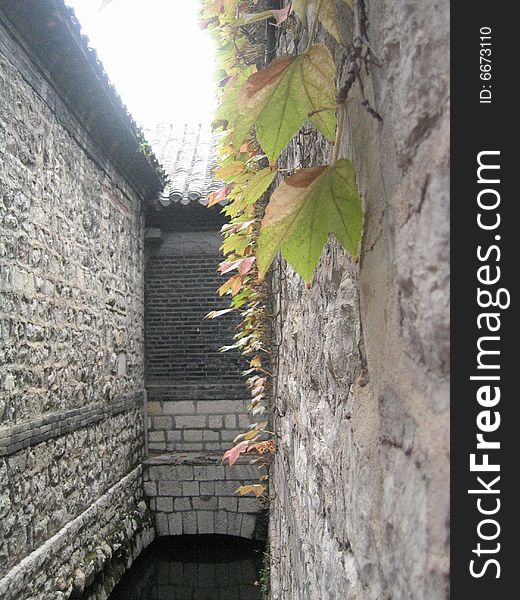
(195, 425)
(196, 395)
(190, 495)
(180, 289)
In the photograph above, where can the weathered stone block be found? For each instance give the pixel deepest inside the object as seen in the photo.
(178, 407)
(210, 436)
(204, 503)
(226, 488)
(175, 524)
(192, 435)
(185, 472)
(170, 488)
(207, 488)
(162, 422)
(221, 523)
(156, 446)
(208, 473)
(215, 421)
(189, 523)
(150, 488)
(164, 504)
(214, 446)
(247, 526)
(231, 421)
(230, 504)
(173, 436)
(234, 524)
(190, 422)
(245, 472)
(222, 407)
(190, 446)
(182, 504)
(249, 505)
(156, 436)
(190, 488)
(205, 522)
(161, 524)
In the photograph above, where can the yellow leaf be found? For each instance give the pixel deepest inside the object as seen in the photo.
(232, 285)
(256, 489)
(229, 170)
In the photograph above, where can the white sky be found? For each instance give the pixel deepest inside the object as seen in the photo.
(160, 61)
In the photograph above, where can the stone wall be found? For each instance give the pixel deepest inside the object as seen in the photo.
(195, 494)
(360, 484)
(113, 530)
(71, 244)
(71, 329)
(195, 425)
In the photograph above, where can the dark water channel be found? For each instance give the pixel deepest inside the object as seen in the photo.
(196, 567)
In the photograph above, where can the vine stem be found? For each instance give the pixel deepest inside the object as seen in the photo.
(342, 106)
(314, 25)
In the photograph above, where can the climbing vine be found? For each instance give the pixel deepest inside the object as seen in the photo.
(261, 109)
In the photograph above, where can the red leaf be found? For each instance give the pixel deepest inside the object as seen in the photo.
(246, 265)
(242, 265)
(233, 454)
(220, 195)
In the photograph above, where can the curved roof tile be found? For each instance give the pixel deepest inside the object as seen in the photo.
(188, 155)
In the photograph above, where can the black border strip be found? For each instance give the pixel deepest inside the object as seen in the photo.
(483, 127)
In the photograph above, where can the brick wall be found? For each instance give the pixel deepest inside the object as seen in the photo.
(180, 345)
(195, 425)
(196, 395)
(191, 495)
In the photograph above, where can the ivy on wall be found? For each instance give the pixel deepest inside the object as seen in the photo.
(260, 112)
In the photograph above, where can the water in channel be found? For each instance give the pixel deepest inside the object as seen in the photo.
(196, 567)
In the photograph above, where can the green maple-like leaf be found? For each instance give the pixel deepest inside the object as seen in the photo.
(252, 191)
(281, 97)
(304, 210)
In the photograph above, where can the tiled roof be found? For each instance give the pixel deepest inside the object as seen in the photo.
(188, 156)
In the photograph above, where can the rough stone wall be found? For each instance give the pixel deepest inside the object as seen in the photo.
(72, 350)
(71, 246)
(112, 531)
(361, 479)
